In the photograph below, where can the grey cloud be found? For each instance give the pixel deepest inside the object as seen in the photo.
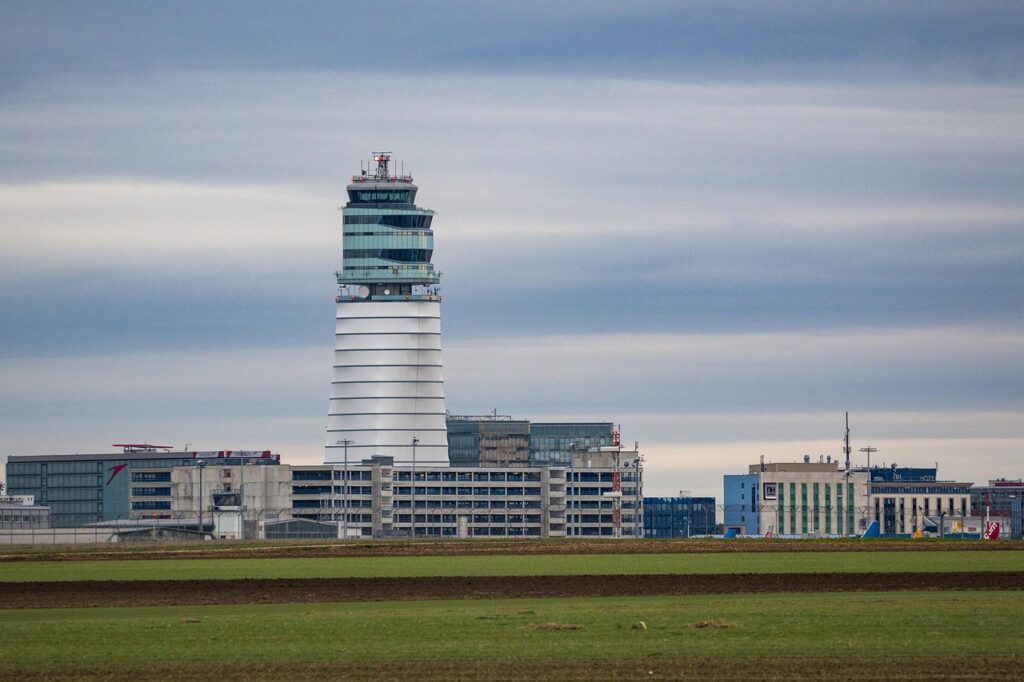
(940, 40)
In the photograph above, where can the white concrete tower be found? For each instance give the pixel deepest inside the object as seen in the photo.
(387, 392)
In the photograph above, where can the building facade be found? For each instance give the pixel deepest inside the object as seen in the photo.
(89, 488)
(812, 499)
(905, 500)
(378, 497)
(488, 440)
(997, 497)
(387, 390)
(797, 499)
(495, 439)
(20, 512)
(679, 517)
(555, 443)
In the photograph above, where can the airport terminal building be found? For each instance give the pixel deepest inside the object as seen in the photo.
(233, 494)
(81, 489)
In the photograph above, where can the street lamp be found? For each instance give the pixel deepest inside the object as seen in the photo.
(345, 442)
(415, 440)
(202, 465)
(570, 487)
(867, 491)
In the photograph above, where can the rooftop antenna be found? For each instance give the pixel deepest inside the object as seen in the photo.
(869, 450)
(846, 441)
(382, 159)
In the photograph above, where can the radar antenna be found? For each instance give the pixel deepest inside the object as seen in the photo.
(382, 159)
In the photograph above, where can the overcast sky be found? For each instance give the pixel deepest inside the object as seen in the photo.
(721, 225)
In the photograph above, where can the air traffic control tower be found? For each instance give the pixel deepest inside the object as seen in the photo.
(387, 391)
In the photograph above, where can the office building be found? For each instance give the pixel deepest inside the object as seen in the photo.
(997, 497)
(678, 517)
(812, 499)
(555, 443)
(82, 489)
(488, 440)
(599, 496)
(796, 499)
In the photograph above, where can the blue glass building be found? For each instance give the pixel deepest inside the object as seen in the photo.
(678, 517)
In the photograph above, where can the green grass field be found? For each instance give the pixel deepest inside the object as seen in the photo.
(496, 565)
(179, 641)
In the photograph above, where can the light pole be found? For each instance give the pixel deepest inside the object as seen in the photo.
(241, 499)
(415, 440)
(867, 491)
(570, 490)
(345, 442)
(202, 465)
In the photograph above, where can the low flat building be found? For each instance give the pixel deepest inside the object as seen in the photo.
(679, 517)
(82, 489)
(997, 497)
(905, 500)
(813, 499)
(20, 512)
(796, 499)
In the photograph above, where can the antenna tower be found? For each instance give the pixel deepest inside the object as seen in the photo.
(846, 441)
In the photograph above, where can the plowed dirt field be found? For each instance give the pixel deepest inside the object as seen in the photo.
(197, 592)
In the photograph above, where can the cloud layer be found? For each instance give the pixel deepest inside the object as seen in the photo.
(720, 225)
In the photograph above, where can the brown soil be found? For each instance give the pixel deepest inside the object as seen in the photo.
(285, 549)
(193, 592)
(952, 667)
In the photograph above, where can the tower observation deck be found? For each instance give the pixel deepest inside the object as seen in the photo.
(387, 390)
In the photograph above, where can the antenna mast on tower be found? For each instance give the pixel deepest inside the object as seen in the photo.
(846, 441)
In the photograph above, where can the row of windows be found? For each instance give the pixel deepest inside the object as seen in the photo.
(469, 504)
(86, 467)
(587, 531)
(588, 490)
(328, 490)
(390, 240)
(918, 490)
(599, 504)
(151, 504)
(452, 519)
(468, 476)
(26, 520)
(603, 477)
(326, 475)
(453, 490)
(397, 255)
(335, 504)
(56, 481)
(74, 507)
(70, 494)
(151, 477)
(598, 518)
(419, 221)
(151, 491)
(405, 270)
(380, 196)
(352, 518)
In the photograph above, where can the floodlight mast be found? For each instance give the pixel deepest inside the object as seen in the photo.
(867, 493)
